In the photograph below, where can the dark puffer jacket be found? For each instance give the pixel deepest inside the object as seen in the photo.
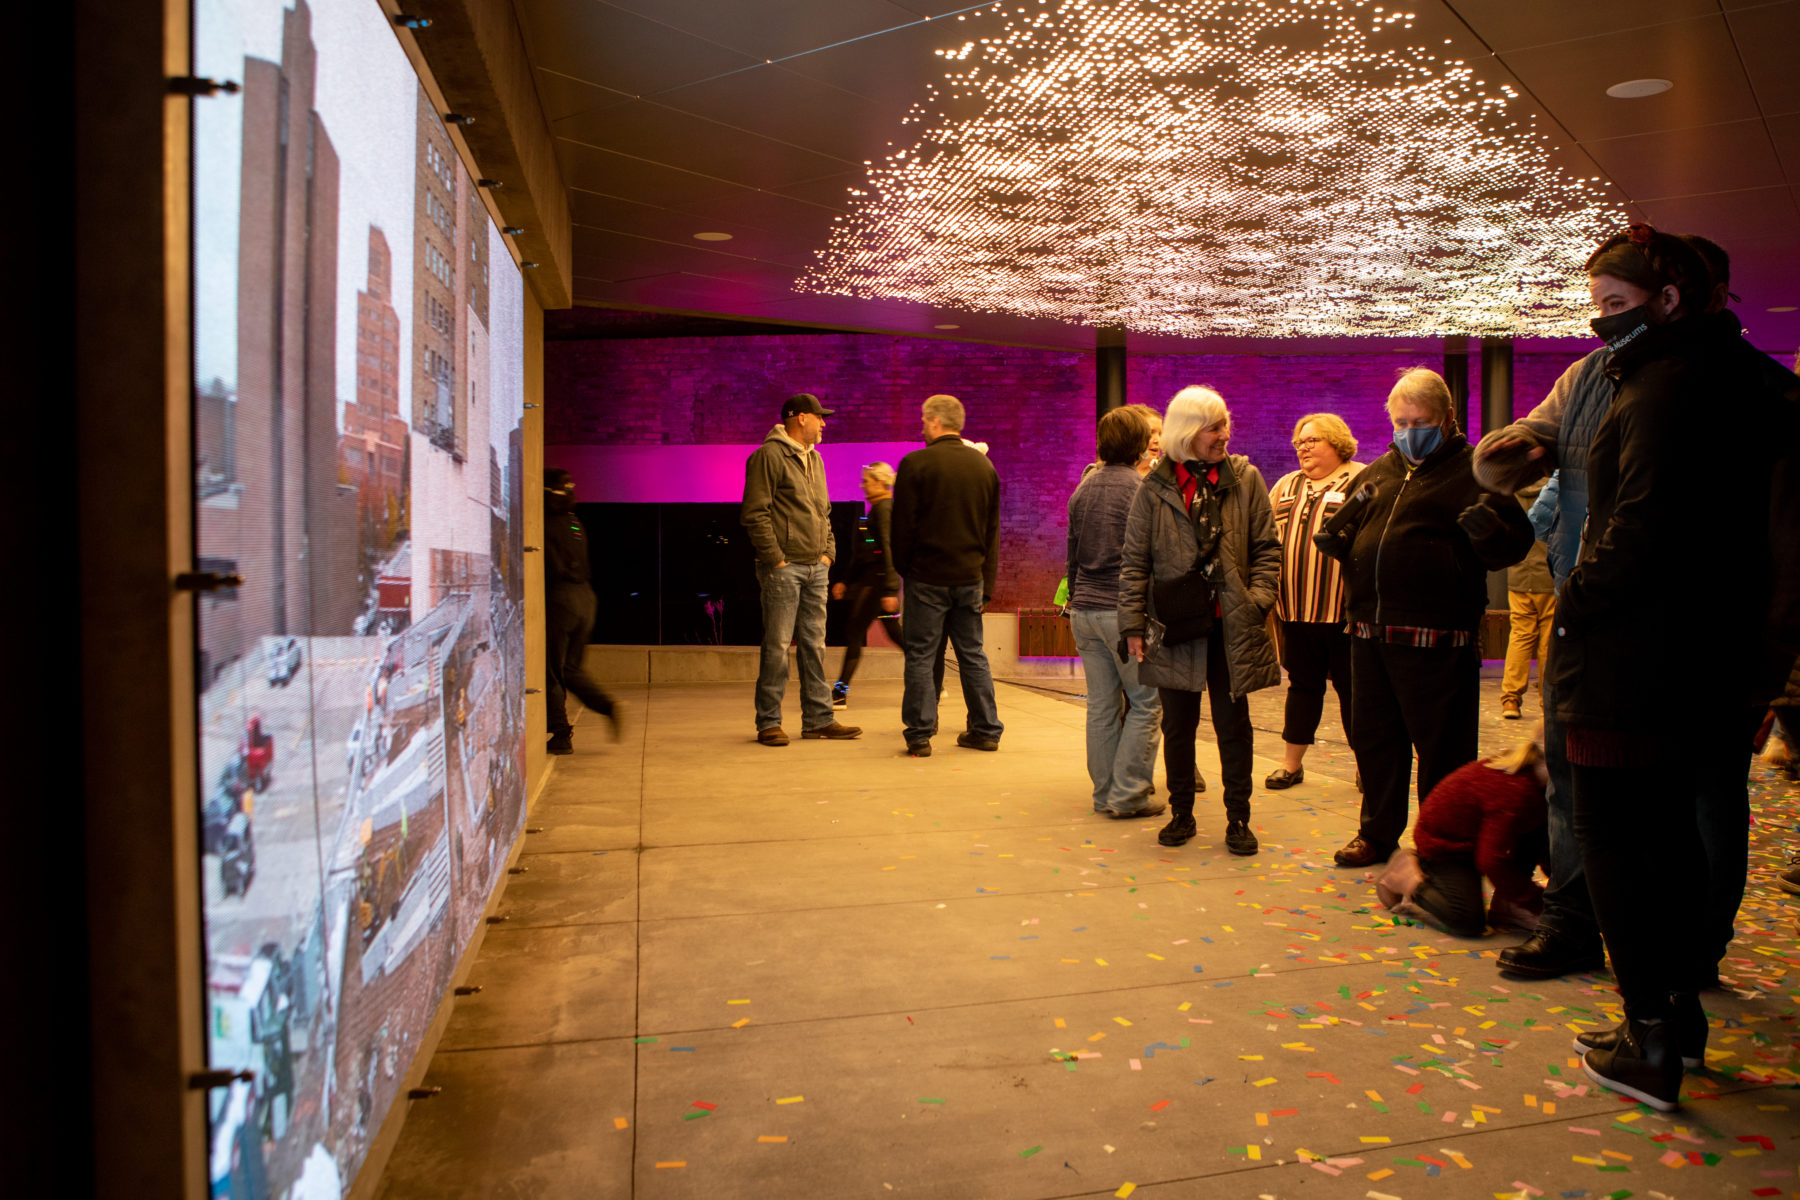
(1409, 562)
(1160, 544)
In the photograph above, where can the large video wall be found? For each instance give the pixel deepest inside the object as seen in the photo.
(357, 403)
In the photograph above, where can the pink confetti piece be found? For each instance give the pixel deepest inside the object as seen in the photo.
(1579, 1129)
(1136, 1065)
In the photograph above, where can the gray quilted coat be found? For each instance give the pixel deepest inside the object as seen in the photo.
(1159, 544)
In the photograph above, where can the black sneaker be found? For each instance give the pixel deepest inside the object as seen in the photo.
(561, 743)
(1690, 1033)
(1643, 1064)
(1238, 838)
(1180, 828)
(974, 741)
(919, 749)
(1549, 955)
(840, 694)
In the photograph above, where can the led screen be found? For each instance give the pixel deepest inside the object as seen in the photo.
(358, 358)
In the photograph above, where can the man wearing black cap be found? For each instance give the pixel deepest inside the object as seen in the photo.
(788, 514)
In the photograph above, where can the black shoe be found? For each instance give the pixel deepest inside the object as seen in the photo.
(919, 749)
(970, 741)
(1199, 783)
(840, 694)
(1690, 1033)
(1643, 1064)
(561, 743)
(1284, 778)
(1238, 838)
(1180, 828)
(1151, 809)
(1548, 955)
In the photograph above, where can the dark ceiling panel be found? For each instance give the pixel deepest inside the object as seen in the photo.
(793, 108)
(1729, 218)
(627, 53)
(1510, 25)
(563, 97)
(828, 191)
(1785, 132)
(1687, 162)
(892, 69)
(776, 28)
(1571, 78)
(647, 130)
(591, 211)
(648, 256)
(1769, 39)
(593, 169)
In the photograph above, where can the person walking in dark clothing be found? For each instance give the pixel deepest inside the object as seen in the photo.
(1416, 559)
(874, 585)
(569, 609)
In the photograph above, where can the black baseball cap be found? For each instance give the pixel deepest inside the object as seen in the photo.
(804, 402)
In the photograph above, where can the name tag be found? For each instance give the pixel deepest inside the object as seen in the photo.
(1334, 497)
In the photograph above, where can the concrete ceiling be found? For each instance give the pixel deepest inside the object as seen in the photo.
(755, 118)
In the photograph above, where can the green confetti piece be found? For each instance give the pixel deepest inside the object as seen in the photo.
(642, 1041)
(930, 1100)
(1378, 1106)
(1028, 1153)
(693, 1116)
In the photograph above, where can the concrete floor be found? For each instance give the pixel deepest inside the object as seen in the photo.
(831, 970)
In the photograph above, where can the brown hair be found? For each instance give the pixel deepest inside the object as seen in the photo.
(1422, 385)
(1332, 428)
(1651, 261)
(1124, 435)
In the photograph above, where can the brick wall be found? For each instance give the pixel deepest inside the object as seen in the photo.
(1035, 408)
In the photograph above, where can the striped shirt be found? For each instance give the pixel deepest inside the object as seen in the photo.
(1312, 585)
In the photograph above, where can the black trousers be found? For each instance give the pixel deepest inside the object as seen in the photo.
(1406, 698)
(568, 620)
(1646, 871)
(865, 606)
(1231, 726)
(1312, 652)
(1452, 894)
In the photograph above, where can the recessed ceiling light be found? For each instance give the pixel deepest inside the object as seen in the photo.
(1786, 308)
(712, 237)
(959, 326)
(1636, 89)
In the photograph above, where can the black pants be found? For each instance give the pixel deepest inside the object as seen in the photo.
(1452, 894)
(1231, 726)
(568, 620)
(1645, 867)
(1313, 652)
(1721, 764)
(865, 606)
(1407, 697)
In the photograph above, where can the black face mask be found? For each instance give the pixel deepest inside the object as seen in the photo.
(1621, 329)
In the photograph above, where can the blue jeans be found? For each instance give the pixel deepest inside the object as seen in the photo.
(1121, 758)
(793, 605)
(1568, 910)
(927, 613)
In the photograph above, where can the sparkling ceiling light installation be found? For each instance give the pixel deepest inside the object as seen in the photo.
(1222, 167)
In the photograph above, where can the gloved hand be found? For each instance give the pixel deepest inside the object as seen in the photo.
(1332, 546)
(1479, 520)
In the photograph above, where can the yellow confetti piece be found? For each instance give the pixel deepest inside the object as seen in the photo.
(772, 1138)
(1549, 1109)
(621, 1123)
(1381, 1174)
(1459, 1160)
(1530, 1101)
(1628, 1117)
(1617, 1155)
(1187, 1004)
(1255, 1153)
(663, 1165)
(1121, 1021)
(1125, 1189)
(1592, 1162)
(1101, 961)
(1376, 1140)
(1095, 1037)
(737, 1002)
(1262, 1118)
(1157, 957)
(1264, 1082)
(1251, 1057)
(790, 1099)
(1372, 1094)
(1480, 1118)
(740, 1022)
(1061, 1024)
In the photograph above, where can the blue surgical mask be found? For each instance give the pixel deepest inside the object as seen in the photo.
(1417, 444)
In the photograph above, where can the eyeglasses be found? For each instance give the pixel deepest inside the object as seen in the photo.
(1303, 443)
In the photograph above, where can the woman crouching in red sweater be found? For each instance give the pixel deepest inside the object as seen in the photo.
(1485, 818)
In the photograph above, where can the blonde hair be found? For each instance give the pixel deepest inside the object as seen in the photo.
(880, 472)
(1192, 410)
(1332, 428)
(1426, 388)
(1522, 757)
(946, 410)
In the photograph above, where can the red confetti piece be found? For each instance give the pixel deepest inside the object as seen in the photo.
(1160, 1105)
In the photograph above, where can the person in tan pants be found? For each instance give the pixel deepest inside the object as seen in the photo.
(1532, 595)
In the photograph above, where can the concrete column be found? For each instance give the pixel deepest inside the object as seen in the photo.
(1496, 383)
(1109, 369)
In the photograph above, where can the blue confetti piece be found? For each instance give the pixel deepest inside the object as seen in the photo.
(1198, 969)
(681, 1049)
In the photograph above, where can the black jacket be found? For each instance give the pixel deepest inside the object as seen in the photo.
(947, 516)
(1407, 560)
(1676, 543)
(565, 549)
(872, 561)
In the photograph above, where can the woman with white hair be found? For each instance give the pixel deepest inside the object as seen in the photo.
(873, 585)
(1198, 577)
(1416, 561)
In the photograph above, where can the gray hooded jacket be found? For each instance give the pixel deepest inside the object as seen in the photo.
(786, 508)
(1159, 544)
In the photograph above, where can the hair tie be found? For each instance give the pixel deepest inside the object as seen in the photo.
(1641, 234)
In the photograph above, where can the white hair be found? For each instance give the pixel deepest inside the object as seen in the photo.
(1191, 411)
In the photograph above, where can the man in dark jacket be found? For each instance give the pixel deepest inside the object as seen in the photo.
(568, 613)
(788, 514)
(946, 545)
(1416, 560)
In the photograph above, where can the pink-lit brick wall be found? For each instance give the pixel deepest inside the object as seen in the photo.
(1035, 408)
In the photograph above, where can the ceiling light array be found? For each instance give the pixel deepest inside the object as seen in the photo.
(1222, 167)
